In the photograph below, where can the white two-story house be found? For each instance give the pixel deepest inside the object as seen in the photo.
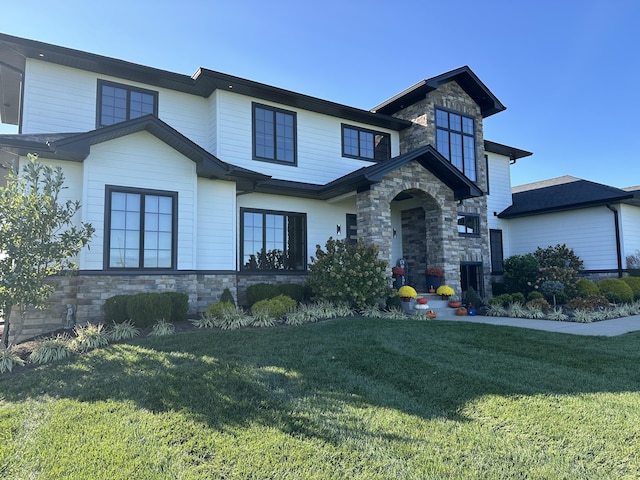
(210, 181)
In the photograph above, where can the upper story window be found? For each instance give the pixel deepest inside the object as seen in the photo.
(455, 140)
(117, 103)
(141, 228)
(468, 224)
(273, 240)
(274, 134)
(366, 144)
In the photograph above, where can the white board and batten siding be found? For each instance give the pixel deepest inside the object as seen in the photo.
(319, 142)
(590, 232)
(140, 161)
(322, 217)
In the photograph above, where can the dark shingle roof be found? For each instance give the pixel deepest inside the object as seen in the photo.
(564, 193)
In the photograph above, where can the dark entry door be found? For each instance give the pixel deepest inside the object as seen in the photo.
(471, 276)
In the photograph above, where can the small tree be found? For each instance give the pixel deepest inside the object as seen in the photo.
(520, 273)
(37, 237)
(560, 264)
(348, 273)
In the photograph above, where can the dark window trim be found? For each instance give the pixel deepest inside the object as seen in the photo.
(293, 163)
(343, 126)
(495, 254)
(301, 215)
(449, 111)
(129, 89)
(109, 189)
(469, 215)
(486, 173)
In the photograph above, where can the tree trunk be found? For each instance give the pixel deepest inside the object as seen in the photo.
(5, 331)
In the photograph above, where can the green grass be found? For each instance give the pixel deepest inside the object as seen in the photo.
(350, 398)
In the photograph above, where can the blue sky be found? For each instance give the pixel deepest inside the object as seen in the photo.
(567, 70)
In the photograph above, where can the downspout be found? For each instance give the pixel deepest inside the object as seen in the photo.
(616, 220)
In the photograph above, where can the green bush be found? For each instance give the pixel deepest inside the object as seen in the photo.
(586, 288)
(534, 295)
(261, 291)
(348, 273)
(293, 290)
(393, 301)
(472, 297)
(115, 308)
(179, 305)
(634, 283)
(559, 264)
(538, 302)
(276, 307)
(503, 300)
(216, 310)
(518, 298)
(520, 273)
(145, 309)
(615, 290)
(633, 264)
(227, 297)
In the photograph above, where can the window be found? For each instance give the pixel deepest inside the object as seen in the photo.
(455, 140)
(274, 134)
(352, 228)
(365, 144)
(140, 228)
(497, 254)
(468, 224)
(273, 240)
(486, 171)
(117, 103)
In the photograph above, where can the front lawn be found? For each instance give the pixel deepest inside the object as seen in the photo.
(350, 398)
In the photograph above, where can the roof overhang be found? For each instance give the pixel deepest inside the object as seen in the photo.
(464, 76)
(505, 150)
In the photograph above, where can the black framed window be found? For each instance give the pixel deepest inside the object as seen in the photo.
(141, 228)
(497, 252)
(366, 144)
(352, 227)
(274, 134)
(273, 240)
(455, 140)
(468, 224)
(117, 103)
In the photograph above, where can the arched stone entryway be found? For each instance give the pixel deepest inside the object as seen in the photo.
(415, 205)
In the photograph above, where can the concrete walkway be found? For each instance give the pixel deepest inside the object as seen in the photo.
(607, 328)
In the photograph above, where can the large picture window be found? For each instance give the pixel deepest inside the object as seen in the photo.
(455, 140)
(140, 228)
(365, 144)
(117, 103)
(274, 134)
(273, 240)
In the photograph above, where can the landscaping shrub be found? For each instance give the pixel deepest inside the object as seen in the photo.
(179, 305)
(145, 309)
(587, 288)
(520, 273)
(588, 303)
(539, 303)
(348, 273)
(276, 307)
(393, 301)
(115, 308)
(216, 310)
(634, 283)
(559, 264)
(518, 297)
(534, 295)
(503, 300)
(261, 291)
(552, 289)
(293, 290)
(633, 264)
(615, 290)
(227, 297)
(472, 297)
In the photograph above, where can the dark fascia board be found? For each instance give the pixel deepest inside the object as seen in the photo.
(513, 212)
(203, 83)
(500, 149)
(364, 178)
(468, 81)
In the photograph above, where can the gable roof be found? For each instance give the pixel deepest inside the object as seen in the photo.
(14, 51)
(76, 147)
(562, 194)
(363, 178)
(464, 76)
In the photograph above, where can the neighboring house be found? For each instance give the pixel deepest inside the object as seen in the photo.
(600, 223)
(210, 181)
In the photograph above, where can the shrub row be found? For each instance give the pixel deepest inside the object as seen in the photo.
(265, 291)
(145, 309)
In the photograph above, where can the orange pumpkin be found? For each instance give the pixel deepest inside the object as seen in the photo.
(461, 311)
(431, 314)
(421, 300)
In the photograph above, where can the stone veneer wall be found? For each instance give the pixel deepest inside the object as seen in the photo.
(88, 292)
(451, 96)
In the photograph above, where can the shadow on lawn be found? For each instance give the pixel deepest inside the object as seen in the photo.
(300, 380)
